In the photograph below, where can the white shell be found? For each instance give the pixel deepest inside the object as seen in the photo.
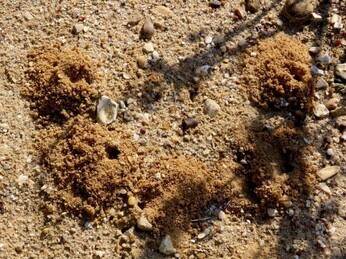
(107, 110)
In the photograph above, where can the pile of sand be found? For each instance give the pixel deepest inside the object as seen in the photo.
(278, 73)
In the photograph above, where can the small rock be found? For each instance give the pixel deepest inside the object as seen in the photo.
(316, 17)
(314, 50)
(208, 39)
(107, 110)
(218, 40)
(242, 42)
(340, 111)
(316, 71)
(22, 179)
(143, 224)
(99, 253)
(240, 13)
(321, 111)
(332, 104)
(132, 201)
(272, 212)
(166, 246)
(340, 71)
(215, 3)
(330, 152)
(279, 22)
(211, 108)
(147, 30)
(156, 56)
(148, 47)
(337, 21)
(142, 62)
(325, 59)
(321, 84)
(252, 5)
(163, 10)
(206, 232)
(188, 123)
(221, 215)
(78, 28)
(28, 16)
(325, 188)
(328, 172)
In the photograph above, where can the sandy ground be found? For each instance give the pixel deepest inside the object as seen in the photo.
(241, 183)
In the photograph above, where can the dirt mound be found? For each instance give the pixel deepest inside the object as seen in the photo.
(278, 73)
(188, 190)
(276, 163)
(60, 83)
(88, 163)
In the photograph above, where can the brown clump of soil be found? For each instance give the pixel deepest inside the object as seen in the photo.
(88, 164)
(278, 168)
(188, 190)
(279, 73)
(60, 83)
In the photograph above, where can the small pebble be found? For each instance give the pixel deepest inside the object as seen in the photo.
(28, 16)
(321, 111)
(314, 50)
(340, 71)
(147, 30)
(211, 108)
(330, 152)
(221, 215)
(316, 71)
(208, 39)
(77, 28)
(332, 104)
(143, 224)
(188, 123)
(272, 212)
(142, 62)
(148, 47)
(321, 84)
(132, 201)
(324, 59)
(252, 5)
(215, 3)
(206, 232)
(328, 172)
(325, 188)
(22, 179)
(166, 246)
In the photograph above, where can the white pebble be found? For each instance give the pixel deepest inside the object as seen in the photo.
(330, 152)
(22, 179)
(208, 39)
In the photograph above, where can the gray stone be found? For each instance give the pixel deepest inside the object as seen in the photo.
(211, 108)
(166, 246)
(144, 224)
(147, 30)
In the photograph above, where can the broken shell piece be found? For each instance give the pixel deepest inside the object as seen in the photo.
(107, 110)
(297, 11)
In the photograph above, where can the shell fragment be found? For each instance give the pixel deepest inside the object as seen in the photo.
(107, 110)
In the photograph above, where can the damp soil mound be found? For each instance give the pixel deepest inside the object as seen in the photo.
(88, 164)
(60, 83)
(277, 165)
(278, 73)
(188, 191)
